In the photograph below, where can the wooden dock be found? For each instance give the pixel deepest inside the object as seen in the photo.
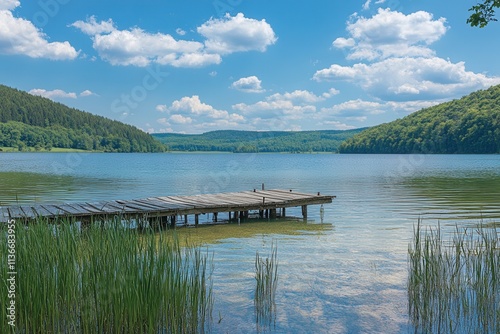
(165, 210)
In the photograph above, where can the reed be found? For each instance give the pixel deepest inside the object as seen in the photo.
(266, 277)
(454, 286)
(108, 280)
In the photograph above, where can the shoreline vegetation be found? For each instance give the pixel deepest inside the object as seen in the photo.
(110, 278)
(454, 284)
(107, 279)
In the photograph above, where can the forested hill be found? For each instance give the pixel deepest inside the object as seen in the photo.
(28, 121)
(258, 141)
(468, 125)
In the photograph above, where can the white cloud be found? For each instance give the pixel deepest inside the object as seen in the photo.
(51, 94)
(136, 47)
(250, 84)
(19, 36)
(366, 107)
(341, 43)
(392, 34)
(139, 48)
(213, 74)
(92, 27)
(163, 121)
(9, 4)
(336, 125)
(330, 93)
(235, 34)
(179, 119)
(195, 60)
(87, 93)
(366, 5)
(410, 78)
(359, 109)
(161, 108)
(297, 95)
(193, 105)
(290, 105)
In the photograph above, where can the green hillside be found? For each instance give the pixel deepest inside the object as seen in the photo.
(258, 141)
(468, 125)
(28, 121)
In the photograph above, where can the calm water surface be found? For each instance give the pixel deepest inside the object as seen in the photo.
(346, 277)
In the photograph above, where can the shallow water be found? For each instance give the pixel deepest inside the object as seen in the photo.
(348, 276)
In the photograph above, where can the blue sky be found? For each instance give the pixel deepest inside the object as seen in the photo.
(196, 66)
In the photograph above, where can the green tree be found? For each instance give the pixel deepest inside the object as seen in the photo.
(483, 13)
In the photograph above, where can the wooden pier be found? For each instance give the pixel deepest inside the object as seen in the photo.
(165, 210)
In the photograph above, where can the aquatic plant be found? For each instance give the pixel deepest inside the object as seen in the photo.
(266, 277)
(454, 287)
(107, 280)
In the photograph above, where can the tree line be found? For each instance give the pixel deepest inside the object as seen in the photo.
(33, 121)
(258, 141)
(467, 125)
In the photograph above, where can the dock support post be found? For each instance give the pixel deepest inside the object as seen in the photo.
(304, 212)
(261, 214)
(163, 222)
(245, 214)
(196, 220)
(283, 212)
(266, 214)
(272, 213)
(172, 221)
(185, 219)
(215, 216)
(236, 215)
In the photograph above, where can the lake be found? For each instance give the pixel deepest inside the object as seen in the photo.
(347, 275)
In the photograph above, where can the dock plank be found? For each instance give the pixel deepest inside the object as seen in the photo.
(168, 205)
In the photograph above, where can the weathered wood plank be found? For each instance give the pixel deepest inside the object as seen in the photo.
(28, 212)
(170, 205)
(16, 212)
(41, 211)
(54, 211)
(4, 215)
(104, 206)
(69, 210)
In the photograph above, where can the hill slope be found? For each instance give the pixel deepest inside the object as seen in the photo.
(468, 125)
(257, 141)
(33, 121)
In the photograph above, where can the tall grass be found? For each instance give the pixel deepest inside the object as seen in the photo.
(108, 280)
(266, 277)
(454, 286)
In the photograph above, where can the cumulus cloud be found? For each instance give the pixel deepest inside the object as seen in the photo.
(293, 105)
(9, 4)
(190, 114)
(19, 36)
(137, 47)
(179, 119)
(193, 105)
(235, 34)
(250, 84)
(162, 108)
(86, 93)
(92, 27)
(336, 125)
(59, 93)
(359, 109)
(51, 94)
(410, 78)
(392, 34)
